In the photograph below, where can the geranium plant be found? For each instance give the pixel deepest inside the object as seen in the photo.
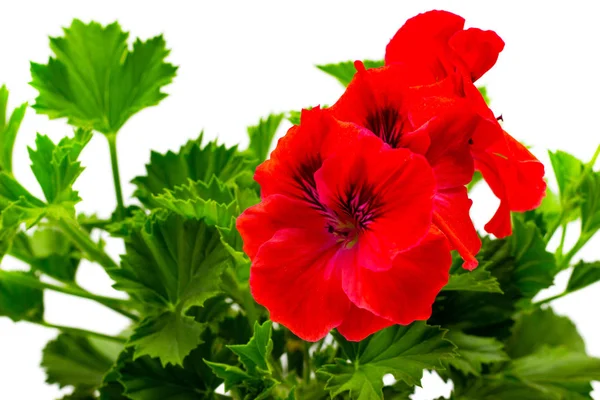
(311, 272)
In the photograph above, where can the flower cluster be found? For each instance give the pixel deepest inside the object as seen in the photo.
(363, 202)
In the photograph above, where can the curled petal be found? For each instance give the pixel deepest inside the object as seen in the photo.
(515, 176)
(451, 215)
(479, 49)
(424, 40)
(293, 277)
(405, 292)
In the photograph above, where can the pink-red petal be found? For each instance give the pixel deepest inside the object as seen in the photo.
(360, 323)
(451, 215)
(406, 292)
(259, 223)
(293, 277)
(478, 49)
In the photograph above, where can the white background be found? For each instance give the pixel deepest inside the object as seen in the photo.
(241, 60)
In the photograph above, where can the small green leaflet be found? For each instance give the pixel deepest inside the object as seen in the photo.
(19, 302)
(171, 264)
(8, 129)
(48, 251)
(583, 275)
(568, 170)
(478, 280)
(213, 201)
(590, 205)
(261, 136)
(79, 361)
(255, 380)
(535, 267)
(403, 351)
(56, 166)
(344, 71)
(474, 351)
(541, 328)
(193, 162)
(100, 89)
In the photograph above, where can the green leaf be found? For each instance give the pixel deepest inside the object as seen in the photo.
(474, 351)
(398, 391)
(145, 378)
(56, 167)
(344, 71)
(541, 328)
(19, 302)
(568, 170)
(8, 130)
(78, 361)
(261, 135)
(583, 275)
(403, 351)
(96, 81)
(590, 204)
(255, 355)
(213, 201)
(48, 251)
(522, 267)
(255, 381)
(557, 373)
(193, 162)
(171, 265)
(535, 267)
(478, 280)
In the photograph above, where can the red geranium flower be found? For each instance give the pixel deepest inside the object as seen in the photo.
(431, 120)
(435, 46)
(343, 237)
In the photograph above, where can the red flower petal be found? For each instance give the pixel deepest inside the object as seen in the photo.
(423, 40)
(378, 99)
(293, 277)
(384, 192)
(405, 292)
(515, 176)
(478, 49)
(451, 215)
(436, 42)
(360, 323)
(260, 222)
(291, 166)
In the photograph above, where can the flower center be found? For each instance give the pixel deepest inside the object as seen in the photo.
(352, 214)
(387, 124)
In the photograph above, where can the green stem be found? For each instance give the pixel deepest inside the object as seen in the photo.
(565, 261)
(307, 363)
(79, 331)
(32, 282)
(551, 299)
(586, 170)
(112, 145)
(241, 295)
(552, 230)
(561, 245)
(84, 243)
